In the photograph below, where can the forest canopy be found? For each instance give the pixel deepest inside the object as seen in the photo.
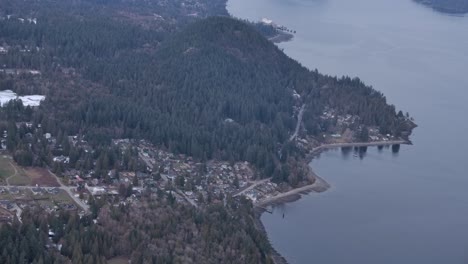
(215, 89)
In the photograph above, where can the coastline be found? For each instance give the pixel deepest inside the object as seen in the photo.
(281, 37)
(318, 186)
(275, 255)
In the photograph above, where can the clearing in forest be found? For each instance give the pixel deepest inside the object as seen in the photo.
(11, 173)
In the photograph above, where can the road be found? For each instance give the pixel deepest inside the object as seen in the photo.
(147, 160)
(68, 190)
(192, 202)
(299, 122)
(254, 184)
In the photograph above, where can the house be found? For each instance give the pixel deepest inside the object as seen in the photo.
(14, 190)
(112, 174)
(6, 204)
(96, 190)
(53, 191)
(34, 72)
(69, 206)
(62, 159)
(38, 190)
(141, 175)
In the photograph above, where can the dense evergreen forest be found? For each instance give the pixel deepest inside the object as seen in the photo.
(171, 73)
(448, 6)
(155, 231)
(215, 89)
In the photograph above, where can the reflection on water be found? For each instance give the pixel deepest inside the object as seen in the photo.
(346, 152)
(360, 152)
(395, 149)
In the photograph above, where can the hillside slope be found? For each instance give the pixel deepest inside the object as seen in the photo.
(216, 89)
(220, 89)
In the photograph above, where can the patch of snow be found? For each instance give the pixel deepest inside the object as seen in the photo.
(28, 100)
(32, 100)
(267, 21)
(6, 96)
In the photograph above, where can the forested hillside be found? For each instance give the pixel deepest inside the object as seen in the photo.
(216, 89)
(155, 231)
(187, 79)
(448, 6)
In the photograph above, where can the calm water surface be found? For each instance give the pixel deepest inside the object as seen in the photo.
(407, 207)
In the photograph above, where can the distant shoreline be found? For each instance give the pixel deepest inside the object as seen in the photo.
(281, 37)
(446, 9)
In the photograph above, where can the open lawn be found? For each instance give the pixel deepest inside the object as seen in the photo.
(61, 197)
(12, 173)
(20, 178)
(6, 169)
(17, 175)
(41, 177)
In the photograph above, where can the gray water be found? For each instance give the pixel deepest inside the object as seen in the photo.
(407, 207)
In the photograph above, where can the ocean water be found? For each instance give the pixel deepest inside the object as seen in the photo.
(386, 207)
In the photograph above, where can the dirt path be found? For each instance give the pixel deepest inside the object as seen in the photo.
(16, 173)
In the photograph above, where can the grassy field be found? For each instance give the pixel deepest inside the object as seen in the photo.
(6, 169)
(61, 197)
(15, 174)
(23, 194)
(41, 177)
(24, 176)
(20, 178)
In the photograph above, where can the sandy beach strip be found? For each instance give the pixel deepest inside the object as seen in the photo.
(318, 186)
